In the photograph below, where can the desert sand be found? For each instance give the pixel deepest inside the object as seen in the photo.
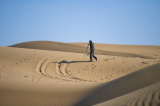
(46, 73)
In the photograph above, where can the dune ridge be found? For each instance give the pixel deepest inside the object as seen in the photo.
(69, 47)
(54, 73)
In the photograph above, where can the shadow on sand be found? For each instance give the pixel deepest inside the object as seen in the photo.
(71, 62)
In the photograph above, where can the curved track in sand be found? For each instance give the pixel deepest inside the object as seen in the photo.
(57, 67)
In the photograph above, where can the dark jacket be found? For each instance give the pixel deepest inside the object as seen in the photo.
(92, 46)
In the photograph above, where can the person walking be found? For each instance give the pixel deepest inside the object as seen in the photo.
(92, 50)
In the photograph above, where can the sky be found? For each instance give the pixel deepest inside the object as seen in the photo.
(129, 22)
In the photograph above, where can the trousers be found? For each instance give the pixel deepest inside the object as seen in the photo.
(92, 55)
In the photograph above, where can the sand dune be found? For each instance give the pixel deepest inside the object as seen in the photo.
(124, 85)
(146, 96)
(54, 73)
(49, 45)
(77, 48)
(144, 50)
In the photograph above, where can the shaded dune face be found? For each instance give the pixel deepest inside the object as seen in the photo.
(60, 74)
(144, 96)
(124, 85)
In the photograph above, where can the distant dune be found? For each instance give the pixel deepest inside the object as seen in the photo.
(59, 74)
(49, 45)
(101, 49)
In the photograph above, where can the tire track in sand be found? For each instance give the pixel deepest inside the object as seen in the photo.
(41, 66)
(60, 70)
